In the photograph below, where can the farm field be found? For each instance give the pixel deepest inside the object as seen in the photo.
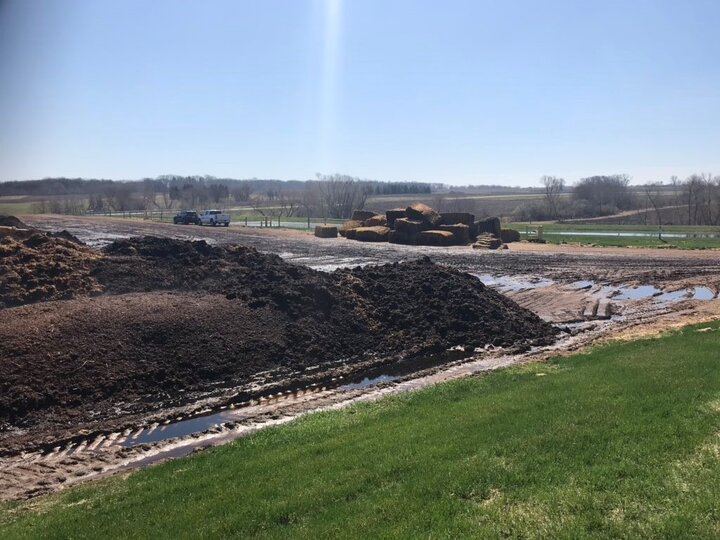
(620, 441)
(130, 290)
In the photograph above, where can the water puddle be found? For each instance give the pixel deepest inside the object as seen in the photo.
(636, 293)
(181, 428)
(379, 375)
(513, 284)
(368, 381)
(674, 295)
(703, 293)
(647, 291)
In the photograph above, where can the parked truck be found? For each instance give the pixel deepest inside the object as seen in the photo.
(214, 217)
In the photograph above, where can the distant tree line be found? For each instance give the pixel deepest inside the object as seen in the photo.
(333, 196)
(693, 201)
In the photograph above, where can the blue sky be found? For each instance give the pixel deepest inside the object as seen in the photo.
(455, 91)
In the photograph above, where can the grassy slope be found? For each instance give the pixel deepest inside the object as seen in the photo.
(619, 442)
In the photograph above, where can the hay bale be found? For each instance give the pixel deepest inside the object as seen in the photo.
(509, 235)
(361, 215)
(487, 241)
(392, 215)
(326, 231)
(351, 234)
(378, 220)
(451, 218)
(348, 225)
(422, 212)
(399, 237)
(410, 227)
(372, 234)
(435, 238)
(460, 231)
(489, 225)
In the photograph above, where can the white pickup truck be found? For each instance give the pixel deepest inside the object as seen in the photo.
(214, 217)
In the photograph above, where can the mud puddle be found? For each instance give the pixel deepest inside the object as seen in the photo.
(234, 411)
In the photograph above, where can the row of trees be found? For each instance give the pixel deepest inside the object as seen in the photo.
(331, 196)
(693, 201)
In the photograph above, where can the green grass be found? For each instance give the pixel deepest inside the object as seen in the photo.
(620, 442)
(629, 241)
(11, 207)
(553, 226)
(551, 236)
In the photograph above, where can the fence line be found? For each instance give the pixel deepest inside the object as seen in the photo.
(245, 221)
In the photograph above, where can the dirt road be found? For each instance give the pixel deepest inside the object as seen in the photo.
(564, 263)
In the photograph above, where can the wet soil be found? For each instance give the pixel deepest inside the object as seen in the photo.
(563, 263)
(544, 278)
(177, 318)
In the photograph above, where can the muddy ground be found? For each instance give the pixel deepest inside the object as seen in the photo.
(565, 263)
(563, 284)
(145, 322)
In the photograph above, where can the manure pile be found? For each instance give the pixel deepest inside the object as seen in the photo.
(152, 318)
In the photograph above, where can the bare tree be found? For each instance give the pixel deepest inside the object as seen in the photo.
(343, 194)
(653, 193)
(554, 187)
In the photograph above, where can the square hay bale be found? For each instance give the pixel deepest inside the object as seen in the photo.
(372, 234)
(489, 225)
(351, 234)
(347, 226)
(399, 237)
(435, 238)
(460, 231)
(451, 218)
(392, 215)
(410, 226)
(378, 220)
(326, 231)
(509, 235)
(422, 212)
(361, 215)
(487, 241)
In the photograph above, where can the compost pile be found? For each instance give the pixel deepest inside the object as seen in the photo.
(37, 266)
(154, 318)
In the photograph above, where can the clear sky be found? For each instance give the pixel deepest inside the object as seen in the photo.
(460, 91)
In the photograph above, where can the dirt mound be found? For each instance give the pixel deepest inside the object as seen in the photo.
(428, 307)
(11, 221)
(209, 315)
(35, 266)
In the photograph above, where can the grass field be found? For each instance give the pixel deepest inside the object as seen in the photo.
(552, 230)
(619, 442)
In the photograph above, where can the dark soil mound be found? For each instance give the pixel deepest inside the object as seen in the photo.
(35, 266)
(238, 272)
(11, 221)
(424, 305)
(209, 315)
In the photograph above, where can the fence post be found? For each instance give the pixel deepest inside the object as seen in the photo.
(308, 221)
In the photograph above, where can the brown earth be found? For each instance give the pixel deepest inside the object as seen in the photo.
(180, 316)
(96, 450)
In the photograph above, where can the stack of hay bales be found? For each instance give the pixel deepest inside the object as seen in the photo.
(372, 234)
(418, 224)
(326, 231)
(509, 235)
(488, 226)
(488, 241)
